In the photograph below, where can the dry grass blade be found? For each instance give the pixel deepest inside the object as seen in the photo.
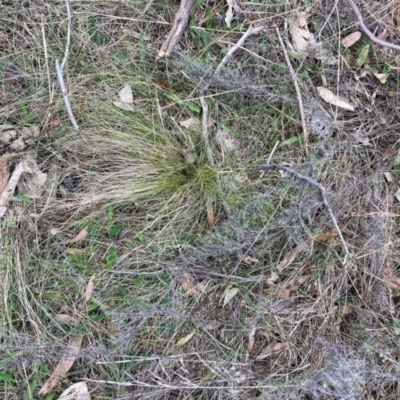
(4, 171)
(64, 365)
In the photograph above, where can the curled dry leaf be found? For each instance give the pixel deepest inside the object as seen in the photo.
(392, 281)
(349, 40)
(302, 38)
(288, 288)
(89, 289)
(334, 99)
(4, 171)
(77, 391)
(271, 348)
(125, 99)
(64, 364)
(32, 179)
(189, 286)
(66, 319)
(230, 294)
(74, 252)
(126, 95)
(251, 343)
(79, 237)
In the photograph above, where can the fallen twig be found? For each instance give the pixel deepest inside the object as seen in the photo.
(204, 122)
(367, 32)
(179, 26)
(321, 189)
(60, 68)
(298, 93)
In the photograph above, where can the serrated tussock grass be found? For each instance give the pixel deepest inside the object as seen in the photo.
(131, 161)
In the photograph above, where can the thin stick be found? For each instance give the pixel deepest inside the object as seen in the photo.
(251, 31)
(367, 32)
(204, 121)
(321, 189)
(60, 68)
(270, 157)
(179, 26)
(298, 93)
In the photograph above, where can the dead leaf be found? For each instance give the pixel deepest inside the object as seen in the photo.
(89, 289)
(185, 339)
(251, 344)
(288, 288)
(333, 99)
(4, 171)
(77, 391)
(381, 77)
(230, 294)
(274, 346)
(270, 277)
(66, 319)
(74, 251)
(192, 122)
(225, 141)
(349, 40)
(302, 38)
(392, 281)
(189, 287)
(53, 123)
(79, 237)
(229, 13)
(125, 95)
(64, 365)
(32, 179)
(210, 214)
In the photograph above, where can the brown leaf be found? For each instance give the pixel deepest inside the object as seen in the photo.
(271, 348)
(64, 365)
(251, 343)
(210, 214)
(4, 171)
(292, 286)
(230, 294)
(79, 237)
(349, 40)
(89, 289)
(66, 319)
(392, 281)
(74, 251)
(53, 123)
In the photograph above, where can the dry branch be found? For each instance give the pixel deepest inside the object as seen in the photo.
(179, 26)
(322, 191)
(367, 32)
(298, 93)
(60, 68)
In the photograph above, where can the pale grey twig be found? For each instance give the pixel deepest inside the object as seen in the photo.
(60, 68)
(367, 32)
(204, 121)
(298, 93)
(322, 191)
